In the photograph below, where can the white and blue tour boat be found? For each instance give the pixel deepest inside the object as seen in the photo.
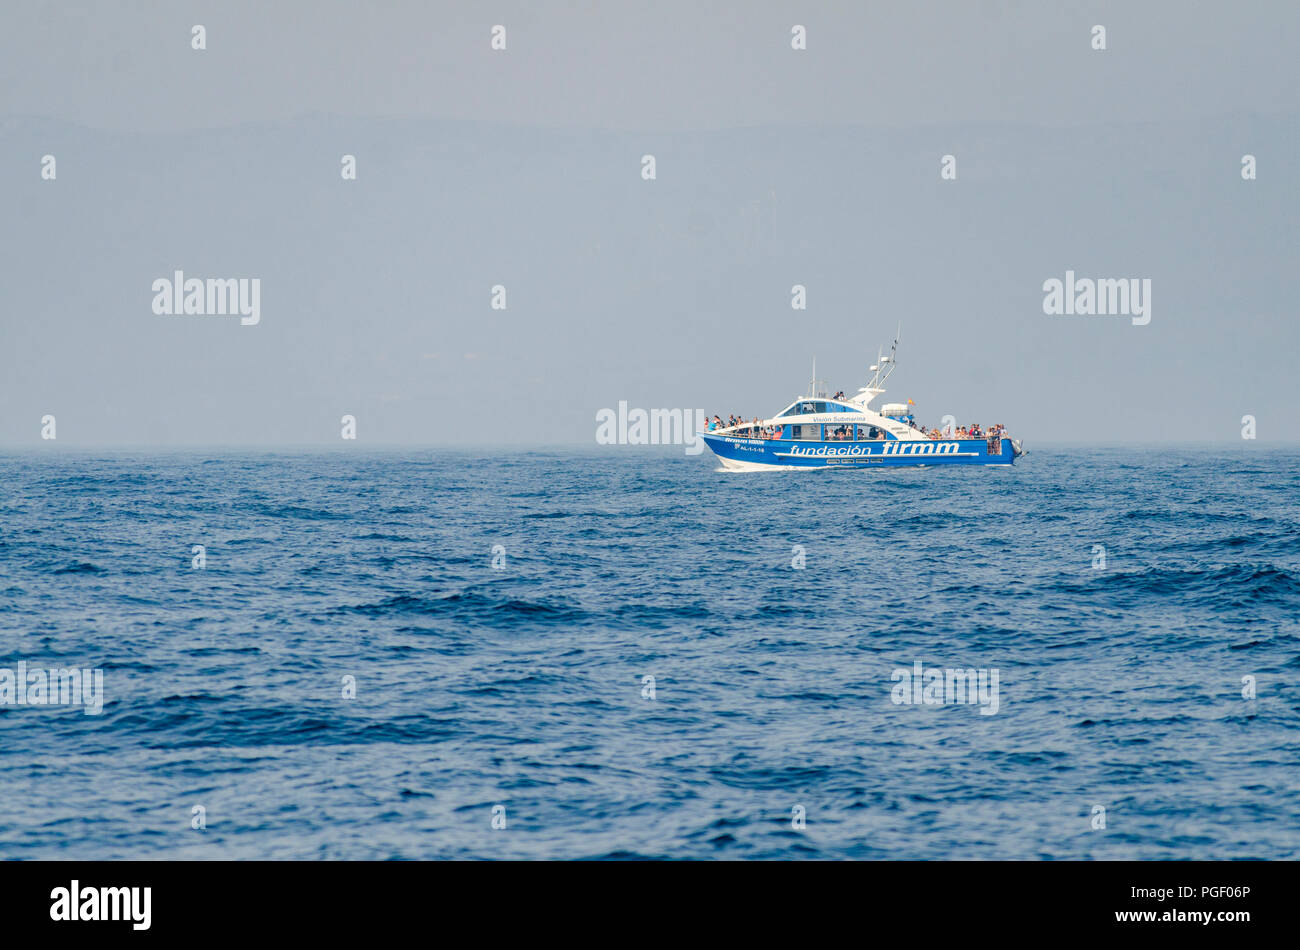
(821, 431)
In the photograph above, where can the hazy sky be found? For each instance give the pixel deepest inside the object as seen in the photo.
(643, 66)
(522, 168)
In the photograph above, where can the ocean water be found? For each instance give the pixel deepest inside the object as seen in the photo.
(518, 691)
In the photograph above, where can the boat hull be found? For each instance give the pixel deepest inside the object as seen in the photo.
(737, 454)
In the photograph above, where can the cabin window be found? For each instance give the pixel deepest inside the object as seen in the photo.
(840, 433)
(869, 433)
(810, 406)
(807, 433)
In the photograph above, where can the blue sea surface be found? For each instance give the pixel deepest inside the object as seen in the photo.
(518, 679)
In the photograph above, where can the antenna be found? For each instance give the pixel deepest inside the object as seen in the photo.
(885, 364)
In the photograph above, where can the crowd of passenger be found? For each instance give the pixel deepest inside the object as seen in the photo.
(756, 429)
(750, 429)
(973, 431)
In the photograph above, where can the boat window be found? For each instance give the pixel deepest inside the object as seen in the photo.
(809, 406)
(807, 433)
